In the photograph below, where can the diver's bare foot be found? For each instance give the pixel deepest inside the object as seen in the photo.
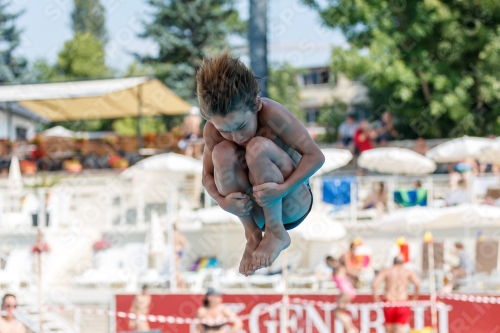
(246, 266)
(269, 249)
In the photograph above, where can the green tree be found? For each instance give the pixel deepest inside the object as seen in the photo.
(89, 16)
(149, 125)
(432, 63)
(12, 67)
(284, 89)
(42, 71)
(186, 30)
(82, 57)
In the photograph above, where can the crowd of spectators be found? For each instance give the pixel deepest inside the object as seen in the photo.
(361, 135)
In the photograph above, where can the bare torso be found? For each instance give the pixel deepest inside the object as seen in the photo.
(142, 303)
(397, 280)
(11, 326)
(191, 124)
(180, 242)
(216, 314)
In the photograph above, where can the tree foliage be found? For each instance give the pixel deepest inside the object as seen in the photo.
(185, 31)
(433, 63)
(12, 67)
(149, 125)
(284, 89)
(82, 57)
(89, 16)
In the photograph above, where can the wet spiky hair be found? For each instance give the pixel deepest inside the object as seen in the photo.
(225, 84)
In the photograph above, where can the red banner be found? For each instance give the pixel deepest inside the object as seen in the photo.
(453, 316)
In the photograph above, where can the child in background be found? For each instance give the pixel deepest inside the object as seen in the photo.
(347, 293)
(257, 160)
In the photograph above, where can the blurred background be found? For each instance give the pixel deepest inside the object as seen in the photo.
(101, 145)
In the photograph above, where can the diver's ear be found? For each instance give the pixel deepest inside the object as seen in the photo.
(259, 104)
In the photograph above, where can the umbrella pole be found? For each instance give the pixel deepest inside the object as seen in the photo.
(432, 285)
(285, 300)
(139, 116)
(40, 317)
(171, 248)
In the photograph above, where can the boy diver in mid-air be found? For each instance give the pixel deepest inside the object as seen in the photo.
(257, 160)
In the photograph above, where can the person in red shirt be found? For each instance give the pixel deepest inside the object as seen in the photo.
(363, 136)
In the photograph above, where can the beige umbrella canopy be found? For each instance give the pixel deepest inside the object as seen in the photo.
(97, 99)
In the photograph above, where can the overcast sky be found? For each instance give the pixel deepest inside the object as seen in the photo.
(295, 33)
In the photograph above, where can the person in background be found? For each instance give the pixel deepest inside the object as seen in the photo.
(459, 171)
(421, 147)
(181, 244)
(363, 141)
(191, 130)
(418, 185)
(9, 324)
(140, 306)
(214, 310)
(487, 167)
(347, 129)
(377, 199)
(459, 195)
(397, 279)
(363, 137)
(465, 267)
(351, 263)
(385, 129)
(329, 261)
(346, 296)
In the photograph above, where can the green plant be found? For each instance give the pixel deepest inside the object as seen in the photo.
(42, 180)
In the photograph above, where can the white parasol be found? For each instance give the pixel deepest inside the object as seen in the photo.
(490, 153)
(166, 162)
(396, 161)
(59, 131)
(15, 180)
(334, 159)
(424, 218)
(459, 149)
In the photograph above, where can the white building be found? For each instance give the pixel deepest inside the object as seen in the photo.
(17, 122)
(317, 90)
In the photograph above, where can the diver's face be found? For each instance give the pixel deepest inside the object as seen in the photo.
(238, 126)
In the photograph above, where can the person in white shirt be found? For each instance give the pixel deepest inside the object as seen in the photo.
(346, 132)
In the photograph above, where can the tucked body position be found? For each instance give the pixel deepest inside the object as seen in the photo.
(257, 160)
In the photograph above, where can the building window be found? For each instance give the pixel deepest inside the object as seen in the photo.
(21, 133)
(311, 115)
(316, 76)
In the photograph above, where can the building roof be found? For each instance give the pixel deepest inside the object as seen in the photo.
(21, 111)
(97, 99)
